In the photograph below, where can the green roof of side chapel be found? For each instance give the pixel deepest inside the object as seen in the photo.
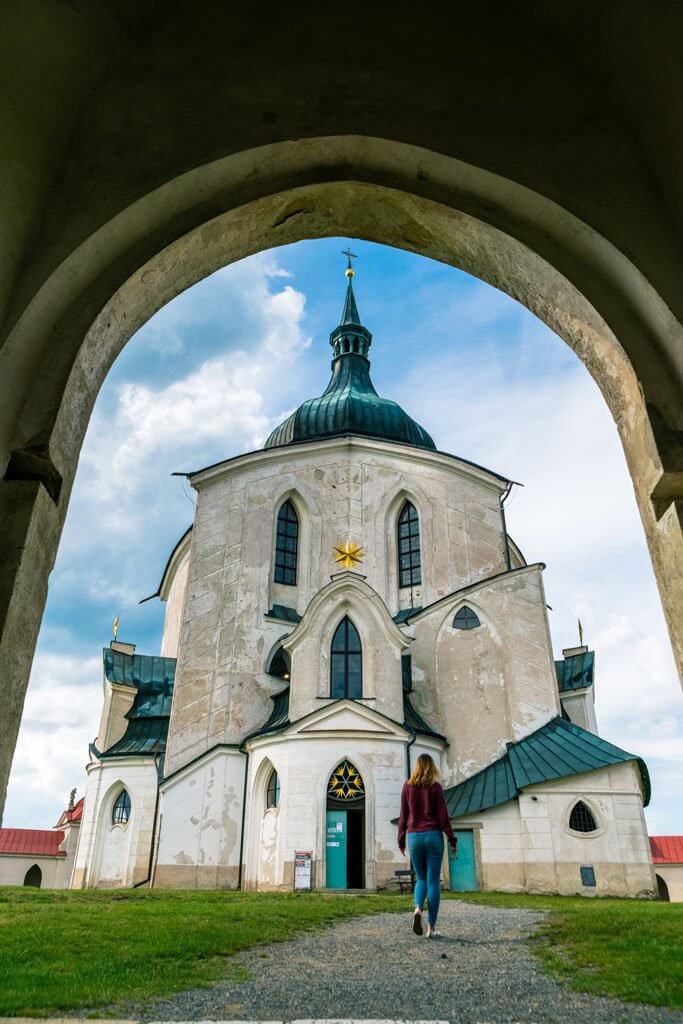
(350, 403)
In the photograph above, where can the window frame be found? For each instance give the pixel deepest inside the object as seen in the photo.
(409, 546)
(343, 655)
(470, 619)
(123, 801)
(273, 787)
(597, 821)
(284, 573)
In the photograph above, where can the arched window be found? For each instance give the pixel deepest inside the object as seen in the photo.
(34, 877)
(279, 665)
(409, 562)
(581, 819)
(346, 670)
(273, 790)
(120, 812)
(286, 544)
(465, 618)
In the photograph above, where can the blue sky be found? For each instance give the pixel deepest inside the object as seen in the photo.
(213, 372)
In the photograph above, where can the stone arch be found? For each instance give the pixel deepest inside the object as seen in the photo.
(34, 877)
(263, 841)
(662, 889)
(363, 766)
(109, 866)
(92, 300)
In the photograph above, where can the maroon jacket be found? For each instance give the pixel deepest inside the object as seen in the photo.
(423, 809)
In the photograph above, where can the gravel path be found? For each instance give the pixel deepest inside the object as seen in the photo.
(479, 970)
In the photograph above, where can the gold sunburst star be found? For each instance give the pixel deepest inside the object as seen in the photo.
(348, 554)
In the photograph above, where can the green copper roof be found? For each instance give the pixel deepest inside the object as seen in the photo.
(284, 613)
(575, 672)
(556, 750)
(153, 678)
(350, 404)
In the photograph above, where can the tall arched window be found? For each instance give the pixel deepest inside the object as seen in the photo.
(120, 812)
(581, 819)
(346, 670)
(286, 544)
(409, 562)
(273, 790)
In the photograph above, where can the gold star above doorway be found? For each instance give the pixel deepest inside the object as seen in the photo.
(348, 554)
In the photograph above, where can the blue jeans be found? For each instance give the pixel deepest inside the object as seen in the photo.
(426, 857)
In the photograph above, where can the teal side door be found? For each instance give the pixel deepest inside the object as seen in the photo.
(462, 867)
(335, 840)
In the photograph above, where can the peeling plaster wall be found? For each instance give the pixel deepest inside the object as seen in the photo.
(304, 764)
(500, 676)
(201, 816)
(344, 490)
(108, 855)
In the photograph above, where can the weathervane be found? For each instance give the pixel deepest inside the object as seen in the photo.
(580, 633)
(350, 272)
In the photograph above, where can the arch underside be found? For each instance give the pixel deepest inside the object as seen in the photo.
(124, 248)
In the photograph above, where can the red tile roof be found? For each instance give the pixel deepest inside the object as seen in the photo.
(666, 849)
(77, 811)
(75, 814)
(35, 842)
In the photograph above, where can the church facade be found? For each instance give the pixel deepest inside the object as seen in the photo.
(347, 598)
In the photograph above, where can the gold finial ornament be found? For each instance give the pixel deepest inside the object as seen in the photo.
(348, 555)
(115, 628)
(350, 272)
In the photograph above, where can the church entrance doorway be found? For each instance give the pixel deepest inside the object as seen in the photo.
(463, 867)
(345, 829)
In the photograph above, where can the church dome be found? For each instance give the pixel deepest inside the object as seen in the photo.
(350, 404)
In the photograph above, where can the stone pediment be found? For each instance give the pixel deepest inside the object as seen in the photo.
(347, 716)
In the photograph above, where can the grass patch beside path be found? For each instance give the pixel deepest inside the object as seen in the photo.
(628, 949)
(62, 950)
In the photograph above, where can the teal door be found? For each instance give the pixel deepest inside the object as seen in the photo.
(337, 833)
(462, 867)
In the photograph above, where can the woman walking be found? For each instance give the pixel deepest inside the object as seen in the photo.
(424, 817)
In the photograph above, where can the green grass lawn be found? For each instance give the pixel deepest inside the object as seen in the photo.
(73, 950)
(70, 950)
(629, 949)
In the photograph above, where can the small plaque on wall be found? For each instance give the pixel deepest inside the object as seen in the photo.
(588, 876)
(302, 869)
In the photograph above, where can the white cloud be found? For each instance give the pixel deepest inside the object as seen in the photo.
(61, 716)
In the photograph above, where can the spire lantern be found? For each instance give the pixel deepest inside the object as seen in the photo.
(350, 337)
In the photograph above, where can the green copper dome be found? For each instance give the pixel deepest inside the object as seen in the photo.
(350, 404)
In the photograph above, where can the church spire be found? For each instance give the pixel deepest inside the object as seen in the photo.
(350, 337)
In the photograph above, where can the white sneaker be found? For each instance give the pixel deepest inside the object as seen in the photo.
(431, 932)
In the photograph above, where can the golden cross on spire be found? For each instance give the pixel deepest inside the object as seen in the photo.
(350, 272)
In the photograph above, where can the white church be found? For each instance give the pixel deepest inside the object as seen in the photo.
(347, 598)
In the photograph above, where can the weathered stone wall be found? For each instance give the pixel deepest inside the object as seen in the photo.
(201, 812)
(343, 490)
(487, 686)
(111, 855)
